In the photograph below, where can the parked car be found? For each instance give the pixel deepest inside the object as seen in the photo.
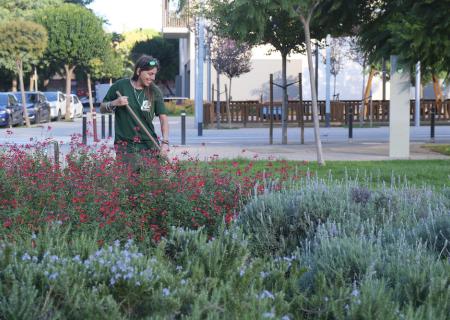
(10, 110)
(37, 106)
(76, 107)
(57, 101)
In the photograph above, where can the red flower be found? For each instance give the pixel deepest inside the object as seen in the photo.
(7, 223)
(83, 217)
(228, 218)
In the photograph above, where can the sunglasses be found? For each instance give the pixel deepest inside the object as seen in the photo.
(153, 63)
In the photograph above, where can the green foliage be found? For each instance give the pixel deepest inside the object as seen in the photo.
(441, 148)
(165, 50)
(13, 9)
(370, 253)
(175, 109)
(421, 27)
(278, 223)
(80, 2)
(23, 41)
(187, 275)
(257, 24)
(359, 248)
(108, 66)
(75, 34)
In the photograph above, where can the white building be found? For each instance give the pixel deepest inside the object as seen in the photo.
(253, 85)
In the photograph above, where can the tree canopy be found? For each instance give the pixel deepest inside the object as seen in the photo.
(165, 50)
(21, 42)
(75, 34)
(13, 9)
(20, 39)
(76, 37)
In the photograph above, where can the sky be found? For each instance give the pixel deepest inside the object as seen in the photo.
(125, 15)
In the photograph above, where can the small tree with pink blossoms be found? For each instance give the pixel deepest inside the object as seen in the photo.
(231, 59)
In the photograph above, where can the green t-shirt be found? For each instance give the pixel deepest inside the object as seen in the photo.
(127, 130)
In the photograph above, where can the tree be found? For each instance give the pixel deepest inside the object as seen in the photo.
(242, 20)
(166, 51)
(75, 37)
(21, 42)
(13, 9)
(231, 59)
(415, 31)
(22, 9)
(336, 59)
(107, 66)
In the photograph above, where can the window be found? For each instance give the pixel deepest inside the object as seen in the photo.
(12, 99)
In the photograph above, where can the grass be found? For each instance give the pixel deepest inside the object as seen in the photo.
(440, 148)
(417, 172)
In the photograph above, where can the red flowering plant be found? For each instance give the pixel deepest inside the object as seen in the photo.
(98, 192)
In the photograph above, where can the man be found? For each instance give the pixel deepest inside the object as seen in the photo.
(146, 100)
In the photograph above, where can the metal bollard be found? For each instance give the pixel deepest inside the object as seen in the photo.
(56, 153)
(350, 124)
(432, 123)
(183, 128)
(94, 125)
(84, 133)
(103, 127)
(110, 125)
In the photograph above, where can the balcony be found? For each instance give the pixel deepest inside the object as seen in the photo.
(175, 25)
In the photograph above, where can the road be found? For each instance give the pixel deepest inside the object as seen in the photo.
(367, 143)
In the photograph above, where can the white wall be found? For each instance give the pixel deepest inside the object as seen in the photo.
(250, 86)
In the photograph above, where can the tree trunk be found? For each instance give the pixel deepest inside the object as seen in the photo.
(31, 83)
(334, 87)
(91, 107)
(361, 106)
(14, 84)
(437, 93)
(367, 91)
(69, 70)
(35, 79)
(22, 90)
(284, 102)
(218, 115)
(320, 159)
(228, 106)
(384, 79)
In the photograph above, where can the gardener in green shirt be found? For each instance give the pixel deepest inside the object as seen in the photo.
(146, 100)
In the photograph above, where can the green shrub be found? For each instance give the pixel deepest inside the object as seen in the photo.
(175, 109)
(436, 233)
(278, 222)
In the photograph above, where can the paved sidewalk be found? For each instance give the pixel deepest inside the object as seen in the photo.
(368, 143)
(335, 151)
